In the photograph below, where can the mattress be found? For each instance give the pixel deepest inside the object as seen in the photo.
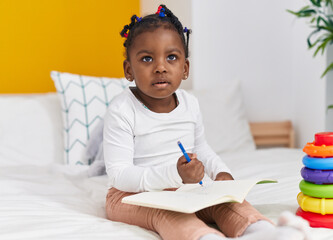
(55, 201)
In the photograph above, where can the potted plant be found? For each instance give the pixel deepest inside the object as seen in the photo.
(319, 12)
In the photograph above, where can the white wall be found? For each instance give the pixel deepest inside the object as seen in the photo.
(261, 44)
(329, 92)
(309, 90)
(244, 40)
(265, 47)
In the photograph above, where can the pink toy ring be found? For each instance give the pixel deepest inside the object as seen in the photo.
(315, 219)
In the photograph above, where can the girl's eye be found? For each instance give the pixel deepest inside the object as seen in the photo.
(147, 59)
(172, 57)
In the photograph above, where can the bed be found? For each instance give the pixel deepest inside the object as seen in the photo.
(46, 195)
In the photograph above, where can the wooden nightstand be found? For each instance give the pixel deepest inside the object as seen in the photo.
(273, 134)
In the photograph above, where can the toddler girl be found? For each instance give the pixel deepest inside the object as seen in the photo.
(142, 128)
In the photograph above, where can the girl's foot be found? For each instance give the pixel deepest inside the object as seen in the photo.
(290, 227)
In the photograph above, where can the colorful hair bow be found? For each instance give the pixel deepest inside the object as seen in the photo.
(125, 35)
(161, 11)
(138, 19)
(185, 29)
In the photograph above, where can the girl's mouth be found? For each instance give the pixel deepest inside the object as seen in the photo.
(161, 84)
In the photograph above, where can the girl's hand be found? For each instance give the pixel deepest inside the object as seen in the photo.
(223, 176)
(190, 172)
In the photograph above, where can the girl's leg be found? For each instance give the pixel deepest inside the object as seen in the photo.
(168, 224)
(231, 218)
(246, 223)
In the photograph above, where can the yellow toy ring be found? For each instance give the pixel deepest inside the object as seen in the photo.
(318, 151)
(316, 205)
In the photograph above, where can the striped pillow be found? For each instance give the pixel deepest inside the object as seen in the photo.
(84, 100)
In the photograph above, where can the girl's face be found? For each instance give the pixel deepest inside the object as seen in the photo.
(157, 64)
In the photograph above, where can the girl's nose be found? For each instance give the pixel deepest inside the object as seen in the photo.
(160, 67)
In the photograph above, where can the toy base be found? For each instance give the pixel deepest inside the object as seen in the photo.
(316, 220)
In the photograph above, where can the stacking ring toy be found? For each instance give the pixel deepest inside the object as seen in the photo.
(316, 205)
(318, 151)
(317, 176)
(324, 138)
(318, 163)
(315, 219)
(314, 190)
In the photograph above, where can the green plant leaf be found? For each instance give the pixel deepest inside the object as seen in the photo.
(329, 107)
(310, 45)
(319, 19)
(327, 22)
(306, 13)
(330, 67)
(292, 12)
(316, 3)
(322, 46)
(329, 2)
(329, 19)
(322, 22)
(303, 12)
(326, 29)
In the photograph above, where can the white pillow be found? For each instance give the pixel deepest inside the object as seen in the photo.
(84, 100)
(30, 129)
(225, 123)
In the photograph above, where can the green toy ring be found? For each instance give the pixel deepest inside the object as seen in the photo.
(315, 190)
(316, 205)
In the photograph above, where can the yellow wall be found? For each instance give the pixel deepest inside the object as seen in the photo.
(77, 36)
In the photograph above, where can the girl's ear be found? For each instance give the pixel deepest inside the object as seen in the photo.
(128, 70)
(186, 69)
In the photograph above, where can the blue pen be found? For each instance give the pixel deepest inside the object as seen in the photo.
(188, 159)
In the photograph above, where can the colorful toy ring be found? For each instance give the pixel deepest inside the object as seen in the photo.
(318, 163)
(324, 138)
(314, 190)
(315, 219)
(317, 176)
(316, 205)
(318, 151)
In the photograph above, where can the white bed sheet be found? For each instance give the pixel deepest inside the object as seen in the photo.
(59, 202)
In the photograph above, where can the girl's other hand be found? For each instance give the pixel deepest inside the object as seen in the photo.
(223, 176)
(190, 172)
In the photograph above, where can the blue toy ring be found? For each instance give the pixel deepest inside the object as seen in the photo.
(317, 176)
(318, 163)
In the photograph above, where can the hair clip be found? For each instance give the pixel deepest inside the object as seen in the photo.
(187, 30)
(162, 14)
(161, 11)
(138, 19)
(125, 35)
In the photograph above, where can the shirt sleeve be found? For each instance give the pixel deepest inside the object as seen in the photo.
(212, 162)
(118, 147)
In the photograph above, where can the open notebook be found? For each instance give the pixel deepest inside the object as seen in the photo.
(191, 198)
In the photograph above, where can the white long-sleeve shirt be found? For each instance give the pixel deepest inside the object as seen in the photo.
(140, 146)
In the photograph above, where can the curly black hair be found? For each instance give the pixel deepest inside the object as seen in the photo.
(151, 22)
